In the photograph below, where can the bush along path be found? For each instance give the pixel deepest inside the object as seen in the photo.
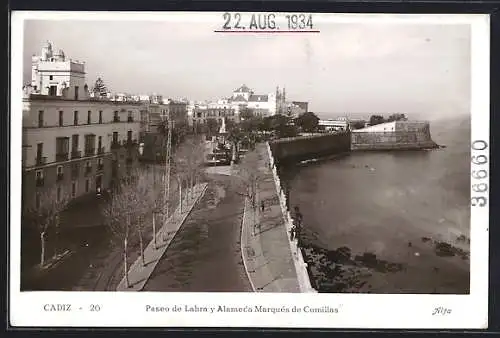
(139, 273)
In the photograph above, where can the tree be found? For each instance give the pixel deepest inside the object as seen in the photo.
(397, 117)
(100, 89)
(51, 202)
(376, 119)
(246, 114)
(250, 173)
(143, 206)
(358, 125)
(212, 126)
(118, 214)
(190, 157)
(308, 122)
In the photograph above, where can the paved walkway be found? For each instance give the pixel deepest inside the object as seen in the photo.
(205, 254)
(138, 274)
(265, 247)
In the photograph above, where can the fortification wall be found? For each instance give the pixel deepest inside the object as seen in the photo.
(301, 148)
(406, 135)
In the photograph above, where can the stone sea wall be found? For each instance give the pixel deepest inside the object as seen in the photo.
(298, 259)
(295, 149)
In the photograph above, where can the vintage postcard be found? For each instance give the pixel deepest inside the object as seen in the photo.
(275, 170)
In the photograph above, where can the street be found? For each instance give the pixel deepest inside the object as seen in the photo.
(205, 254)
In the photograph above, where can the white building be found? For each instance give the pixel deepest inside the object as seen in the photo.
(341, 123)
(71, 142)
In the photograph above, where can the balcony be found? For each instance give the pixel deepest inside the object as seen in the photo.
(62, 157)
(100, 150)
(88, 170)
(41, 160)
(40, 181)
(116, 119)
(130, 119)
(76, 154)
(130, 143)
(90, 152)
(60, 177)
(115, 144)
(100, 167)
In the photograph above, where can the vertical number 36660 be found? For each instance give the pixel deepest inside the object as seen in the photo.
(479, 173)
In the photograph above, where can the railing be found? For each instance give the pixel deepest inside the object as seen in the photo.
(115, 145)
(40, 182)
(41, 160)
(90, 152)
(62, 157)
(100, 167)
(300, 264)
(130, 143)
(76, 154)
(130, 119)
(100, 150)
(116, 119)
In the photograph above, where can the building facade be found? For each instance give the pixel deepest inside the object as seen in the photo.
(73, 143)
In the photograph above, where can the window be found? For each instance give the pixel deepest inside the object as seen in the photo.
(53, 90)
(99, 145)
(115, 137)
(130, 117)
(75, 142)
(59, 169)
(75, 118)
(87, 185)
(39, 150)
(61, 118)
(62, 148)
(116, 118)
(76, 92)
(51, 77)
(129, 136)
(59, 193)
(39, 174)
(37, 200)
(73, 189)
(90, 145)
(40, 118)
(100, 116)
(89, 117)
(39, 178)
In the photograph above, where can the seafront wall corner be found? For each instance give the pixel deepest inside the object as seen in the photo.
(298, 259)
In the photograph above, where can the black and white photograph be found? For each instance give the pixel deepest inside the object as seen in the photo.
(272, 154)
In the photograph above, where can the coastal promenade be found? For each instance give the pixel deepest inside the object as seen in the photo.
(265, 246)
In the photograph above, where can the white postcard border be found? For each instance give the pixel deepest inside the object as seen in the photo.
(354, 310)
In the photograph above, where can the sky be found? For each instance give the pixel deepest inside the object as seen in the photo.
(348, 68)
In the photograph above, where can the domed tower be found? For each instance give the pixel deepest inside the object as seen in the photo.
(46, 51)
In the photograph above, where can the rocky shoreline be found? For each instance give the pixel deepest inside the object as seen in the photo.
(342, 271)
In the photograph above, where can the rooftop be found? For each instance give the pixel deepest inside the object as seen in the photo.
(243, 89)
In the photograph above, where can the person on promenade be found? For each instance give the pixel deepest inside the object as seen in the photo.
(262, 206)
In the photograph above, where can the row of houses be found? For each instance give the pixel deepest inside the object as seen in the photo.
(77, 143)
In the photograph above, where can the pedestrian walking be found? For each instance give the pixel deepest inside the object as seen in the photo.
(262, 206)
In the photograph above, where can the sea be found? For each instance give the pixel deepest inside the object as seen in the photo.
(387, 203)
